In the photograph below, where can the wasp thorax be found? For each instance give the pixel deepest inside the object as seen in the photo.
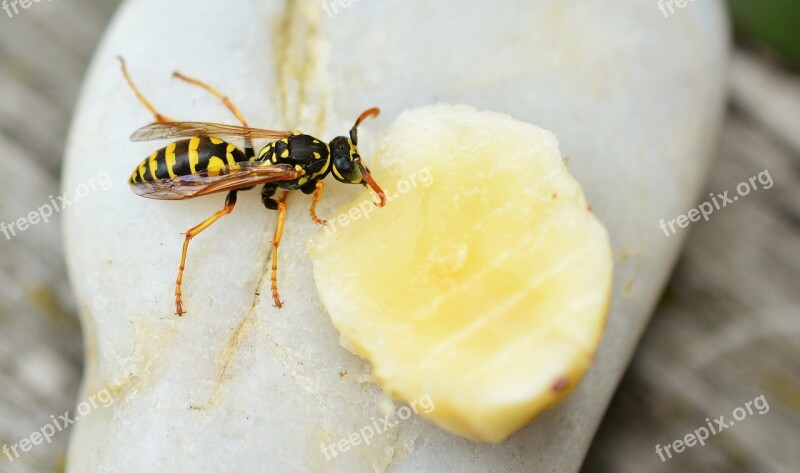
(343, 156)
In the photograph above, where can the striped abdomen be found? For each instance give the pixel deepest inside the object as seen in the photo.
(188, 157)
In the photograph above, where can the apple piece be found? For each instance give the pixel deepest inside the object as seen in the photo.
(483, 284)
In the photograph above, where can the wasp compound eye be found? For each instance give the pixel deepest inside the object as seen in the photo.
(342, 156)
(346, 169)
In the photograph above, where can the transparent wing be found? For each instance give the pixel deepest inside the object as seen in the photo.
(164, 131)
(199, 184)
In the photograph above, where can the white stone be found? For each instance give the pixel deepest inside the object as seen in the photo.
(635, 98)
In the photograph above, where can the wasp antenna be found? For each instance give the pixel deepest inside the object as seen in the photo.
(372, 112)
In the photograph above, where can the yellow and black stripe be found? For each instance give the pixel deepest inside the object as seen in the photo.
(187, 157)
(311, 154)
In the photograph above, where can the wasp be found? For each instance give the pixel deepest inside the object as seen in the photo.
(203, 163)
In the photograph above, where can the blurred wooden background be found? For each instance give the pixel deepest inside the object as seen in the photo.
(44, 52)
(726, 331)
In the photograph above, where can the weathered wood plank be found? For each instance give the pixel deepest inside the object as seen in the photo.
(770, 95)
(726, 331)
(43, 54)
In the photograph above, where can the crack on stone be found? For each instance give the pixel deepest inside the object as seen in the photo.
(229, 352)
(126, 386)
(300, 56)
(118, 389)
(398, 448)
(300, 91)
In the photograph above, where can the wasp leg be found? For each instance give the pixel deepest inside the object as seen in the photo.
(225, 101)
(159, 117)
(216, 93)
(317, 190)
(230, 202)
(267, 194)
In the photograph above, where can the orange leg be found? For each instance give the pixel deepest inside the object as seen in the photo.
(276, 241)
(159, 118)
(230, 202)
(313, 210)
(216, 93)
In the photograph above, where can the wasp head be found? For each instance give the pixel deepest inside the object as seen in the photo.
(347, 165)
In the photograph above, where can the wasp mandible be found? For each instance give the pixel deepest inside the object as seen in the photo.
(204, 163)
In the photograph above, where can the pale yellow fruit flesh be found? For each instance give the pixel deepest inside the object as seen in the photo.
(483, 284)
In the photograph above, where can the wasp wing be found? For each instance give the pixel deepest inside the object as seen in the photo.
(201, 183)
(164, 131)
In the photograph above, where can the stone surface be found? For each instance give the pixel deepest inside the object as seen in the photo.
(635, 99)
